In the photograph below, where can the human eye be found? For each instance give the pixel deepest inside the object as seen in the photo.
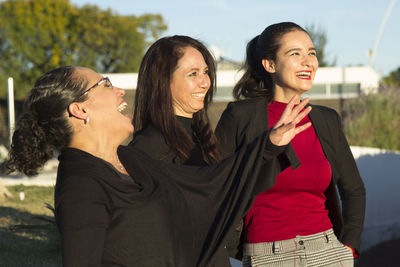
(294, 54)
(193, 74)
(206, 72)
(313, 53)
(107, 83)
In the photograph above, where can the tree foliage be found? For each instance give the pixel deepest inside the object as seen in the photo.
(39, 35)
(374, 120)
(393, 79)
(319, 37)
(152, 26)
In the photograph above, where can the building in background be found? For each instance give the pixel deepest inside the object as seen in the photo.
(329, 83)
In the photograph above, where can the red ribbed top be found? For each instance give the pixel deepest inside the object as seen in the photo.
(295, 205)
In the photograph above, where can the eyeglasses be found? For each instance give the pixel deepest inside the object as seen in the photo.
(105, 80)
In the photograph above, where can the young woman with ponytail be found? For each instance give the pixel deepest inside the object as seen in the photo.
(299, 221)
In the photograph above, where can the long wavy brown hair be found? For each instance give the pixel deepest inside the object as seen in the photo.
(153, 100)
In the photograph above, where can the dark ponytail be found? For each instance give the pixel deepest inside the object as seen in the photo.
(44, 125)
(29, 149)
(256, 81)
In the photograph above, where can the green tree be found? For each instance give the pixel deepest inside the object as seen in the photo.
(39, 35)
(319, 37)
(152, 26)
(374, 120)
(393, 79)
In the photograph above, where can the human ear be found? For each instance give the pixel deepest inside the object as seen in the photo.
(77, 110)
(268, 65)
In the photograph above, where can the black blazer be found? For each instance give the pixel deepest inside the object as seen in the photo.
(244, 120)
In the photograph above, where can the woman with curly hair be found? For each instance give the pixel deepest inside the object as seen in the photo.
(115, 206)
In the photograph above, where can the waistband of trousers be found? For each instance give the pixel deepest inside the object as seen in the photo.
(282, 246)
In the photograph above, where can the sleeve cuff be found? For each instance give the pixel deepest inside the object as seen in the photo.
(285, 153)
(292, 157)
(272, 149)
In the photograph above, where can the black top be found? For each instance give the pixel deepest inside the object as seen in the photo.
(168, 215)
(154, 143)
(244, 120)
(151, 141)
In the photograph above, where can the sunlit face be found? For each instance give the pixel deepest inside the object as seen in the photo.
(104, 105)
(190, 83)
(294, 68)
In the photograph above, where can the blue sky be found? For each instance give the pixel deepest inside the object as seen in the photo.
(351, 25)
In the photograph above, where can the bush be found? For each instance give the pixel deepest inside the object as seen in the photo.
(374, 120)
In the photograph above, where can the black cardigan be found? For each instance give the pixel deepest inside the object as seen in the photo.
(244, 120)
(167, 215)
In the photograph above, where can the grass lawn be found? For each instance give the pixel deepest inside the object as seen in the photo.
(28, 247)
(40, 247)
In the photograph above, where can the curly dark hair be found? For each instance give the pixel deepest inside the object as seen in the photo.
(256, 81)
(43, 125)
(153, 99)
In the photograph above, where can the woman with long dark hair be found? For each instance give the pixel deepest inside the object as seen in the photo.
(176, 82)
(298, 221)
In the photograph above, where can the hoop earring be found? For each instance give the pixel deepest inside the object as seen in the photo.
(87, 120)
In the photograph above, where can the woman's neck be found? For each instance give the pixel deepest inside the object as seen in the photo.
(284, 96)
(106, 150)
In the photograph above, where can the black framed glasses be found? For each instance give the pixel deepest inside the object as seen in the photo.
(104, 80)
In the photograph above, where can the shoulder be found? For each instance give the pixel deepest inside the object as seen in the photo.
(148, 136)
(324, 113)
(75, 162)
(241, 122)
(327, 123)
(246, 105)
(149, 133)
(151, 141)
(324, 109)
(244, 111)
(81, 177)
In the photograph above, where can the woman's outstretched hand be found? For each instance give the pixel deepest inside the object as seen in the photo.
(285, 128)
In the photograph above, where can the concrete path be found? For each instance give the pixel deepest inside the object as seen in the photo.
(47, 177)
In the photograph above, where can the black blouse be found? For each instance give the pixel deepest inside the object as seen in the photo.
(168, 215)
(151, 141)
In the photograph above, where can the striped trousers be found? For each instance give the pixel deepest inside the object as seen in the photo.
(317, 250)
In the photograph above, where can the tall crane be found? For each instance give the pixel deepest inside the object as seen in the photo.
(372, 53)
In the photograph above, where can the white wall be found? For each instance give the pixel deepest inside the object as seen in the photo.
(379, 170)
(365, 75)
(127, 81)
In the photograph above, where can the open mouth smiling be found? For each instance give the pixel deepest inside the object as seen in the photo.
(122, 106)
(306, 75)
(199, 95)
